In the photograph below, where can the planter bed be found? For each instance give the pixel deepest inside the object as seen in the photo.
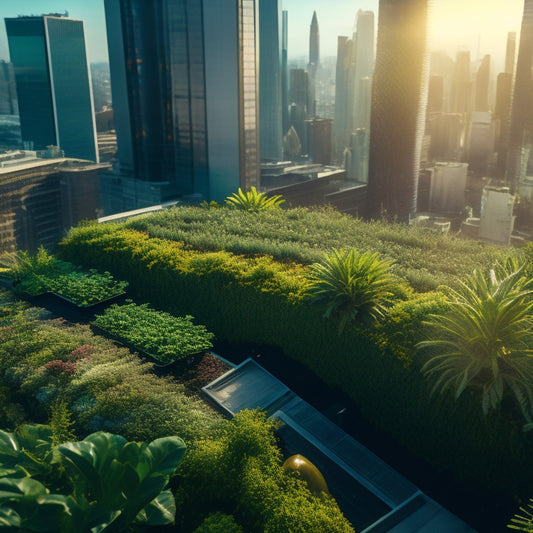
(143, 328)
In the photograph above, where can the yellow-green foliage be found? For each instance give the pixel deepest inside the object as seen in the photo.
(242, 471)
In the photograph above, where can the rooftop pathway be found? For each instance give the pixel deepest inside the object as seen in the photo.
(402, 508)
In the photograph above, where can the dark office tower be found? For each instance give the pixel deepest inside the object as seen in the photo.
(284, 72)
(270, 126)
(299, 97)
(8, 90)
(339, 124)
(314, 62)
(319, 132)
(510, 52)
(399, 97)
(53, 84)
(364, 68)
(482, 85)
(462, 83)
(184, 87)
(502, 109)
(521, 123)
(435, 94)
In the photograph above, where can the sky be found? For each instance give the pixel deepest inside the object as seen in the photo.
(478, 25)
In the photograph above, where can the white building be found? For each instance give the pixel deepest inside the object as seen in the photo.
(497, 220)
(447, 190)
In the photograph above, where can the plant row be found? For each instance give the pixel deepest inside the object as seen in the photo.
(161, 335)
(424, 258)
(41, 273)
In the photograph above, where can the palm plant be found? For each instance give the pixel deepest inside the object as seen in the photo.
(353, 286)
(251, 200)
(486, 339)
(523, 522)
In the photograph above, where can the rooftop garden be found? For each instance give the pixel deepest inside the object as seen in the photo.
(429, 335)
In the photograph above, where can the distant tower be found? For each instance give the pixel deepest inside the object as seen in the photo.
(341, 87)
(53, 84)
(300, 95)
(435, 94)
(364, 68)
(521, 123)
(399, 97)
(510, 52)
(314, 61)
(270, 89)
(462, 83)
(502, 110)
(284, 72)
(482, 85)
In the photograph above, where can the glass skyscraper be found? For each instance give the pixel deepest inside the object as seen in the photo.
(53, 84)
(184, 86)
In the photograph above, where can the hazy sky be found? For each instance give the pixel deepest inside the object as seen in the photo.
(456, 24)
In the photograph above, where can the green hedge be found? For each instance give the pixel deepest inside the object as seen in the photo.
(258, 301)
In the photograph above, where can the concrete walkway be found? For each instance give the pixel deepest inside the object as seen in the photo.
(399, 506)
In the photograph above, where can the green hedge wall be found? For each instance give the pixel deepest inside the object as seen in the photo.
(256, 300)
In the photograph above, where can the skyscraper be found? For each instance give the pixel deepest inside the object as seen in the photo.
(53, 84)
(270, 91)
(399, 97)
(510, 52)
(364, 68)
(341, 87)
(482, 85)
(184, 82)
(521, 123)
(314, 62)
(284, 71)
(462, 83)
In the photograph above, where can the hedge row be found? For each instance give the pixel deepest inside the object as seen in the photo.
(259, 301)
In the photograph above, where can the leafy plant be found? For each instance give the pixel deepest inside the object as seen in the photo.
(485, 341)
(87, 288)
(251, 200)
(165, 337)
(115, 483)
(353, 286)
(30, 273)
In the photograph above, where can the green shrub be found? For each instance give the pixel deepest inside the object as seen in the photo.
(242, 471)
(219, 523)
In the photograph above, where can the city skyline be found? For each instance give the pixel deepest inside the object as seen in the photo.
(481, 27)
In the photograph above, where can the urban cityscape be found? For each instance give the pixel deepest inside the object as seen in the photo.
(389, 137)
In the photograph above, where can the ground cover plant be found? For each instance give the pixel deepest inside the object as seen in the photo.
(86, 288)
(424, 258)
(255, 299)
(81, 387)
(165, 337)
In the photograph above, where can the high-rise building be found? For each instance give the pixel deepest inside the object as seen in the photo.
(185, 92)
(364, 68)
(462, 83)
(521, 123)
(482, 85)
(300, 95)
(510, 52)
(399, 98)
(53, 84)
(341, 71)
(502, 109)
(435, 94)
(314, 61)
(8, 90)
(270, 117)
(284, 71)
(319, 135)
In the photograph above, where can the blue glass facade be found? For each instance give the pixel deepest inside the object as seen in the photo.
(53, 84)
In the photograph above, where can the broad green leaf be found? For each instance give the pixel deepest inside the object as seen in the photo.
(160, 511)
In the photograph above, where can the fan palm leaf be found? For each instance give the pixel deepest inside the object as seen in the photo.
(486, 339)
